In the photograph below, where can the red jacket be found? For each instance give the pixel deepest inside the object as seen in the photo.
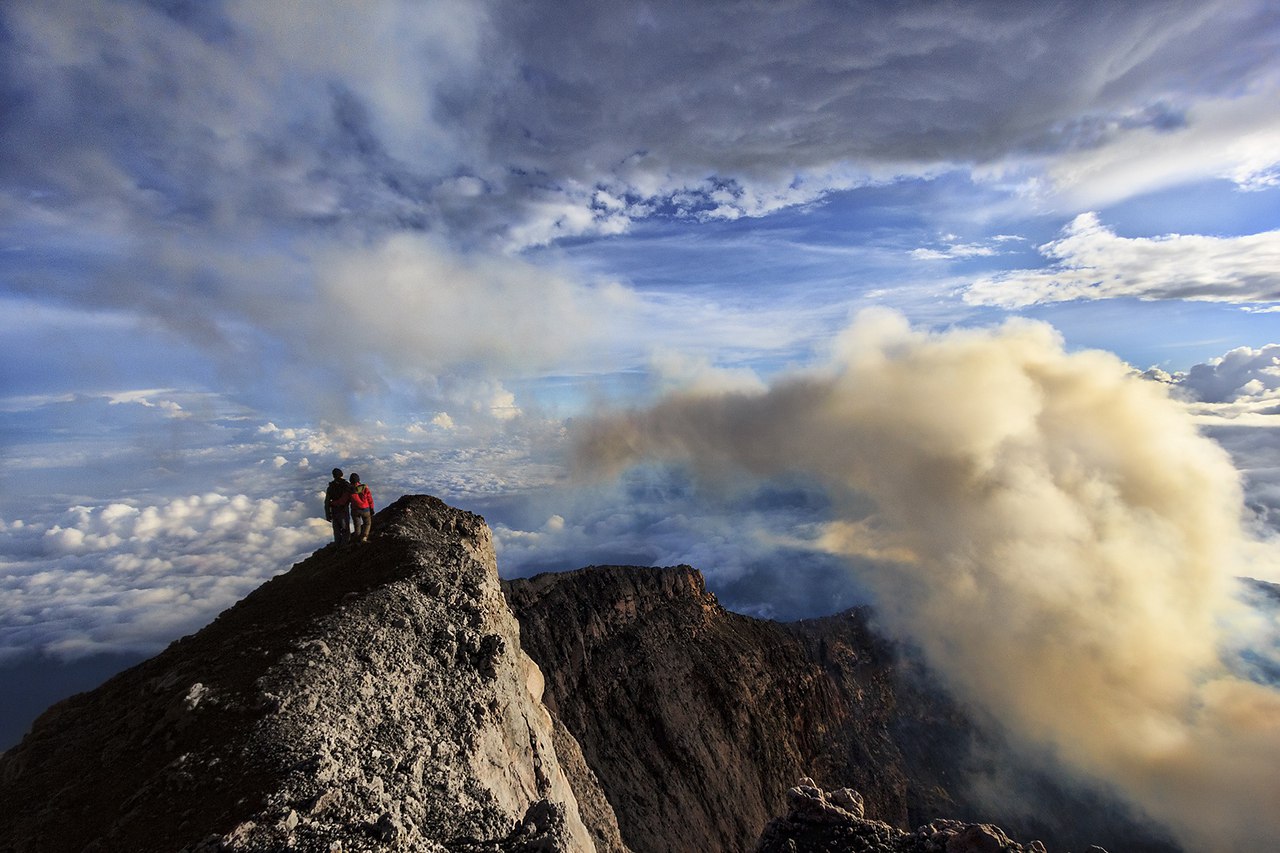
(362, 498)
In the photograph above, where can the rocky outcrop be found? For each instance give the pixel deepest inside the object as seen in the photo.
(373, 697)
(379, 697)
(834, 823)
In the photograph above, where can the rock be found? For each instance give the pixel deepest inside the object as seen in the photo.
(849, 800)
(387, 828)
(697, 720)
(385, 698)
(978, 838)
(815, 823)
(334, 716)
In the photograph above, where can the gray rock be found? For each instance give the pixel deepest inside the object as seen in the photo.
(341, 728)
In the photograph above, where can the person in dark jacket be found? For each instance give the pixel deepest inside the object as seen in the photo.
(361, 509)
(336, 500)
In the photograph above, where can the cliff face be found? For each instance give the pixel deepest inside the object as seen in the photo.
(373, 697)
(698, 720)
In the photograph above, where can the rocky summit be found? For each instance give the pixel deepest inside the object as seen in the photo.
(374, 697)
(384, 697)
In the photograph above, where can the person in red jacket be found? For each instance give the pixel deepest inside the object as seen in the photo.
(361, 509)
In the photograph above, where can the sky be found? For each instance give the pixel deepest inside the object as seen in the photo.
(581, 268)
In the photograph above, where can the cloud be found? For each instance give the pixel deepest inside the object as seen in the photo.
(1243, 374)
(1236, 138)
(493, 311)
(1235, 398)
(516, 127)
(114, 552)
(131, 576)
(339, 194)
(953, 249)
(871, 94)
(1052, 531)
(1091, 262)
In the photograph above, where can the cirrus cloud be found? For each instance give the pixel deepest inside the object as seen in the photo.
(1090, 261)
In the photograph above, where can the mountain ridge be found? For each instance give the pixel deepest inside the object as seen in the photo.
(369, 695)
(398, 696)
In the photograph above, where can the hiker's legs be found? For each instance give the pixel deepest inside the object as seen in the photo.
(363, 519)
(341, 525)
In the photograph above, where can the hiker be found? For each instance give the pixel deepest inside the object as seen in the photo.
(336, 499)
(361, 509)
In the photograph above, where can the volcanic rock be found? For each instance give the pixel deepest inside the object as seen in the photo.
(374, 697)
(816, 823)
(697, 720)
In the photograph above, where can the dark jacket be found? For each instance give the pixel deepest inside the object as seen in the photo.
(336, 496)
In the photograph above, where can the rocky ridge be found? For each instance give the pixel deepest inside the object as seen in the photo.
(380, 697)
(697, 720)
(374, 697)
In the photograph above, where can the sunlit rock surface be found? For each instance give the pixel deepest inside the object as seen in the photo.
(373, 697)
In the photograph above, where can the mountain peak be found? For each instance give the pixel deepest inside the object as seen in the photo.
(383, 697)
(373, 693)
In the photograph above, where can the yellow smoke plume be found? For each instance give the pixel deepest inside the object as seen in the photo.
(1053, 532)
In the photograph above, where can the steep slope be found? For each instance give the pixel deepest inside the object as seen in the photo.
(697, 720)
(375, 695)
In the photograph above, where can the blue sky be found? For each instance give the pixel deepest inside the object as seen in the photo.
(418, 240)
(241, 243)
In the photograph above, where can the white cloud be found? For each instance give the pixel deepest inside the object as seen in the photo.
(134, 576)
(1237, 138)
(677, 370)
(1242, 375)
(958, 251)
(1089, 261)
(1235, 399)
(413, 308)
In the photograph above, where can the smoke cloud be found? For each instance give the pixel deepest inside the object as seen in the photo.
(1054, 533)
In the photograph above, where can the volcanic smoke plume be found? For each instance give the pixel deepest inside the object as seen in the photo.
(1051, 531)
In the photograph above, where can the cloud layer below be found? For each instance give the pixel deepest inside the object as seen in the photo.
(1052, 531)
(128, 578)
